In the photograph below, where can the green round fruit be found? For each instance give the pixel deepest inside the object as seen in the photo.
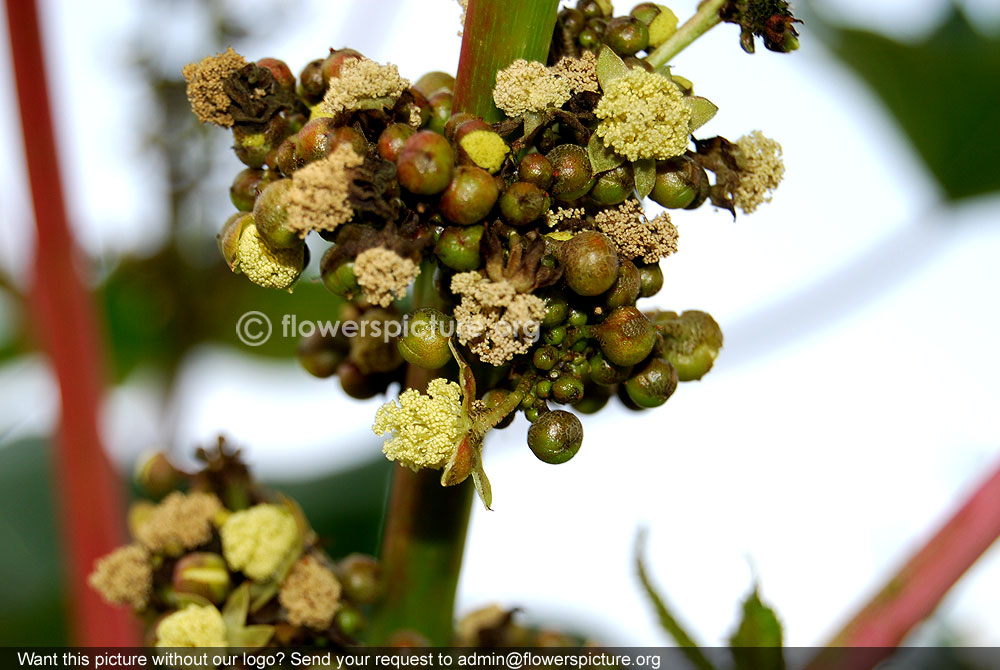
(270, 213)
(653, 385)
(426, 163)
(555, 436)
(567, 389)
(650, 280)
(626, 336)
(572, 173)
(470, 195)
(425, 342)
(590, 262)
(458, 247)
(606, 373)
(522, 203)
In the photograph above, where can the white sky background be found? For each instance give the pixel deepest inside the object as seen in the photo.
(854, 402)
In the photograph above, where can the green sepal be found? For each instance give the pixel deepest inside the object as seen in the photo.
(610, 66)
(602, 158)
(756, 644)
(532, 120)
(467, 459)
(702, 110)
(644, 170)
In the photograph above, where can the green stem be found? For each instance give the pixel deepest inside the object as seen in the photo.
(423, 537)
(705, 18)
(497, 414)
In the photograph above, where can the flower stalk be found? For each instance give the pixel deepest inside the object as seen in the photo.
(706, 18)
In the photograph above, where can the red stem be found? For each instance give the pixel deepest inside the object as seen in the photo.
(89, 494)
(915, 591)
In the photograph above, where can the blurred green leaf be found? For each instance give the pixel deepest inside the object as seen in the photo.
(943, 92)
(667, 620)
(32, 587)
(756, 644)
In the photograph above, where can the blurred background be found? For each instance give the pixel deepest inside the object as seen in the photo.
(853, 404)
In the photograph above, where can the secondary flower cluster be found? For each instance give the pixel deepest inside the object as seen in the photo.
(247, 572)
(528, 234)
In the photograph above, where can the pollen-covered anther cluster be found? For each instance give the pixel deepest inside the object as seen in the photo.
(264, 266)
(556, 216)
(528, 86)
(495, 321)
(318, 198)
(257, 540)
(580, 73)
(761, 172)
(384, 275)
(635, 235)
(423, 428)
(205, 86)
(359, 82)
(124, 577)
(181, 521)
(643, 115)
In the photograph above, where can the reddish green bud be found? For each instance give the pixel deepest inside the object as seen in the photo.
(555, 436)
(426, 163)
(441, 105)
(252, 142)
(320, 354)
(156, 475)
(202, 574)
(459, 247)
(626, 35)
(312, 86)
(247, 186)
(392, 139)
(535, 169)
(591, 263)
(335, 61)
(338, 275)
(653, 385)
(470, 195)
(571, 171)
(626, 336)
(678, 183)
(282, 74)
(572, 21)
(691, 342)
(523, 203)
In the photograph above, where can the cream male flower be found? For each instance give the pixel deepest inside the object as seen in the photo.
(256, 541)
(760, 173)
(193, 626)
(528, 86)
(423, 429)
(267, 267)
(643, 115)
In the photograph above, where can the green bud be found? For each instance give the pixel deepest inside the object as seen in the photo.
(202, 574)
(591, 263)
(470, 195)
(357, 384)
(567, 389)
(626, 288)
(359, 575)
(270, 213)
(312, 87)
(555, 436)
(535, 169)
(426, 163)
(593, 400)
(349, 621)
(459, 247)
(653, 385)
(678, 183)
(606, 373)
(229, 237)
(650, 280)
(555, 336)
(392, 139)
(320, 354)
(691, 342)
(252, 142)
(441, 106)
(626, 336)
(556, 311)
(523, 203)
(614, 186)
(156, 475)
(545, 358)
(433, 83)
(626, 35)
(589, 38)
(425, 343)
(571, 170)
(247, 186)
(543, 389)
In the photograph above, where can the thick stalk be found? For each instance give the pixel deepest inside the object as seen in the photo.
(423, 537)
(705, 18)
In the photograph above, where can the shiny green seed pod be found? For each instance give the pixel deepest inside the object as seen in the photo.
(605, 373)
(626, 288)
(458, 247)
(691, 342)
(545, 358)
(359, 576)
(247, 186)
(493, 398)
(229, 237)
(593, 9)
(626, 35)
(555, 436)
(320, 355)
(572, 173)
(590, 262)
(650, 280)
(470, 195)
(532, 414)
(392, 139)
(426, 163)
(614, 186)
(556, 311)
(535, 169)
(523, 203)
(270, 213)
(425, 342)
(441, 108)
(567, 389)
(626, 336)
(653, 385)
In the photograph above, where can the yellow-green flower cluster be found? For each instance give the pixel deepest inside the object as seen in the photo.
(760, 172)
(267, 267)
(423, 429)
(193, 626)
(257, 540)
(359, 82)
(528, 86)
(643, 115)
(124, 577)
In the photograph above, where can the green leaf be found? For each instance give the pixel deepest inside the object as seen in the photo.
(610, 66)
(756, 644)
(667, 620)
(532, 120)
(644, 170)
(480, 480)
(602, 158)
(702, 110)
(943, 92)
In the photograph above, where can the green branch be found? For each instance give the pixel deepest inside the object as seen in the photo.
(707, 17)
